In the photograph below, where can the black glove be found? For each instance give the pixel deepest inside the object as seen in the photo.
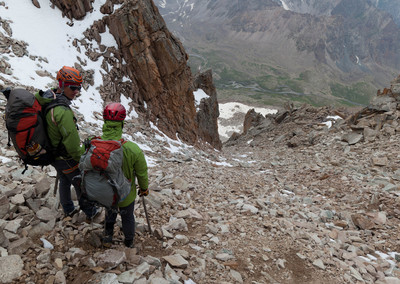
(143, 192)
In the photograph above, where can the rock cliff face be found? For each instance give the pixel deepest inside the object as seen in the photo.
(208, 114)
(73, 9)
(156, 63)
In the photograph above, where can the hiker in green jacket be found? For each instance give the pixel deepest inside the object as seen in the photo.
(63, 134)
(134, 167)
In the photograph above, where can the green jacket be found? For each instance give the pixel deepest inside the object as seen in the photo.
(134, 164)
(63, 129)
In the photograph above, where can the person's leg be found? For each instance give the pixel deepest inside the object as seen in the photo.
(71, 170)
(64, 187)
(128, 223)
(110, 218)
(87, 206)
(65, 195)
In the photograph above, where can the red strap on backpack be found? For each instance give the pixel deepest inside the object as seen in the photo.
(102, 152)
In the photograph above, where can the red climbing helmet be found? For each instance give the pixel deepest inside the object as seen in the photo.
(69, 75)
(114, 111)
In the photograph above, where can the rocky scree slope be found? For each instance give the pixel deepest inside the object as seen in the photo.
(289, 201)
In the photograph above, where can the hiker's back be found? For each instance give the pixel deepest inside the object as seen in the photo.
(103, 179)
(114, 115)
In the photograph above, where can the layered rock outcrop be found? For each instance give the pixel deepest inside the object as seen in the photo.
(73, 9)
(207, 116)
(161, 83)
(157, 65)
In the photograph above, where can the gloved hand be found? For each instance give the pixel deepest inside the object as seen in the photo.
(143, 192)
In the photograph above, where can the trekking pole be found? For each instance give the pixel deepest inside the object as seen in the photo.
(147, 216)
(56, 184)
(55, 191)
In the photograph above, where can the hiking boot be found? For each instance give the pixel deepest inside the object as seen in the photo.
(106, 241)
(129, 243)
(72, 213)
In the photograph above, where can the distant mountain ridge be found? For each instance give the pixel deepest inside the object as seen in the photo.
(320, 52)
(391, 7)
(325, 7)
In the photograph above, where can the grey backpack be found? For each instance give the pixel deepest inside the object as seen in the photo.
(102, 178)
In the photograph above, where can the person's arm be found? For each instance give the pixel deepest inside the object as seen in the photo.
(65, 120)
(135, 165)
(141, 171)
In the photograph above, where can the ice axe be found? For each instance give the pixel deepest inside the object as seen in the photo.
(147, 216)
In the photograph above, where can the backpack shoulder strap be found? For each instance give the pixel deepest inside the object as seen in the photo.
(52, 117)
(59, 100)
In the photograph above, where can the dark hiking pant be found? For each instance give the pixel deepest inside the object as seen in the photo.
(67, 170)
(128, 221)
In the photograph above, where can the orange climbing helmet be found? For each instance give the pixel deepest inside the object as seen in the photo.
(69, 76)
(114, 111)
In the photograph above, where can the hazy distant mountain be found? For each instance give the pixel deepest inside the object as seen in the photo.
(318, 51)
(390, 6)
(325, 7)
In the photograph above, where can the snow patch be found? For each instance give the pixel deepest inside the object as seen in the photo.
(329, 123)
(198, 96)
(162, 4)
(285, 6)
(227, 110)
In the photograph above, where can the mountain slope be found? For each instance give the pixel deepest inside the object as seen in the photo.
(308, 51)
(290, 201)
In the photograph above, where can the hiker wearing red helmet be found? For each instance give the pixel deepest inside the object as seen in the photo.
(134, 166)
(114, 111)
(63, 134)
